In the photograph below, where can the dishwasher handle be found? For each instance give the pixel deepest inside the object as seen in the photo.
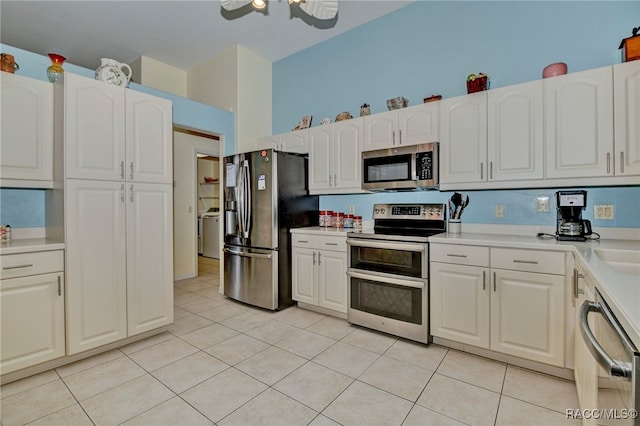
(615, 368)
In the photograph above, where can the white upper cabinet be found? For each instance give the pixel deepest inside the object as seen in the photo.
(26, 148)
(463, 138)
(149, 138)
(626, 83)
(295, 141)
(112, 133)
(515, 132)
(335, 163)
(579, 124)
(406, 126)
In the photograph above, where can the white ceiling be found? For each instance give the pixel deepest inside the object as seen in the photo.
(180, 33)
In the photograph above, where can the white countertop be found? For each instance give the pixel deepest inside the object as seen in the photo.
(29, 245)
(621, 290)
(319, 230)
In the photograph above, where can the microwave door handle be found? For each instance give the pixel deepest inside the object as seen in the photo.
(414, 170)
(615, 368)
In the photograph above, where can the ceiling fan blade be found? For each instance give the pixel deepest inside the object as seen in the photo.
(321, 9)
(233, 4)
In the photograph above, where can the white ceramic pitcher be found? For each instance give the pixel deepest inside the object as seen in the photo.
(113, 72)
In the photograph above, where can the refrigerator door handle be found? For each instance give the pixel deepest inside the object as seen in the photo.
(240, 197)
(248, 254)
(247, 184)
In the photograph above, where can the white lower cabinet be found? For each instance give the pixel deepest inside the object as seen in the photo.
(32, 308)
(319, 271)
(119, 261)
(518, 311)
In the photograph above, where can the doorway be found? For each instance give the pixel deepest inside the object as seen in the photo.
(188, 204)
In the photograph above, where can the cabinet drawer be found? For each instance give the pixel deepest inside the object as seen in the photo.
(304, 240)
(25, 264)
(547, 262)
(332, 243)
(461, 255)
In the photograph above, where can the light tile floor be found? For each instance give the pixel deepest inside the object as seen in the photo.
(226, 363)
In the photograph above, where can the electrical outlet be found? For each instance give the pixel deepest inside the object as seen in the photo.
(543, 204)
(603, 211)
(499, 212)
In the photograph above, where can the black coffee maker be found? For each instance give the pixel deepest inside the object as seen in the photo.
(571, 226)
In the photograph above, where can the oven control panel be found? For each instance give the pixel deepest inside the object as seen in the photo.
(410, 211)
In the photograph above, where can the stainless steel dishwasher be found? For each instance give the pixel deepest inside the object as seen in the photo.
(211, 236)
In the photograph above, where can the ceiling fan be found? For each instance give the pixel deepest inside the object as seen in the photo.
(319, 9)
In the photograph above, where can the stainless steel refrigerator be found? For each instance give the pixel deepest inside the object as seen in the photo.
(265, 195)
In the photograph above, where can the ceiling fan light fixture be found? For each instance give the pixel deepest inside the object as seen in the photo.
(259, 4)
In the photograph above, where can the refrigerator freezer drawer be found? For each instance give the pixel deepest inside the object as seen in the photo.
(251, 276)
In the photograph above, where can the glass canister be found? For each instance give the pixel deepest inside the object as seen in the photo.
(357, 223)
(338, 220)
(348, 221)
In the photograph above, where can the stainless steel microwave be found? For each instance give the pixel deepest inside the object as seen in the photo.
(403, 168)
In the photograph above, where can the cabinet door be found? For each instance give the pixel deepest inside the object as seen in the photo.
(459, 303)
(296, 141)
(419, 124)
(303, 271)
(320, 170)
(579, 124)
(149, 257)
(149, 136)
(347, 154)
(94, 129)
(626, 86)
(463, 138)
(95, 264)
(527, 316)
(32, 320)
(332, 280)
(26, 143)
(515, 132)
(269, 142)
(380, 131)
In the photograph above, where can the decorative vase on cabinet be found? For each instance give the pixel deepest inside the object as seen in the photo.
(55, 70)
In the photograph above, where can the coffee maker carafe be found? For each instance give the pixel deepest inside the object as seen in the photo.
(570, 225)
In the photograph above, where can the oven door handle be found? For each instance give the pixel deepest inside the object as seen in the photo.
(615, 368)
(385, 279)
(388, 246)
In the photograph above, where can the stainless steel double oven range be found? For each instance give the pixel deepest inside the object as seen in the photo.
(389, 269)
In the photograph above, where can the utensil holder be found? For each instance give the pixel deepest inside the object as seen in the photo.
(455, 226)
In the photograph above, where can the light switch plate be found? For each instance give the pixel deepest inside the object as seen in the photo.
(542, 204)
(603, 212)
(499, 212)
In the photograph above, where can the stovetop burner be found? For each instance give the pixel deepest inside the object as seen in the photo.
(405, 222)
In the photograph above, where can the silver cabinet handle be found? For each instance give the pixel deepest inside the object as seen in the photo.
(484, 280)
(490, 169)
(621, 161)
(319, 258)
(393, 138)
(6, 268)
(330, 244)
(303, 241)
(529, 262)
(614, 367)
(481, 171)
(494, 282)
(314, 257)
(576, 276)
(400, 133)
(122, 170)
(608, 162)
(131, 171)
(59, 287)
(456, 255)
(131, 193)
(122, 193)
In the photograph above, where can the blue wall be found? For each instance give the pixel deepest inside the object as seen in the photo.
(25, 208)
(429, 47)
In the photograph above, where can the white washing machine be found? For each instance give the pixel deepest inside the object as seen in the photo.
(210, 237)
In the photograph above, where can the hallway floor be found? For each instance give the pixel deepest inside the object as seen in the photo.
(226, 363)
